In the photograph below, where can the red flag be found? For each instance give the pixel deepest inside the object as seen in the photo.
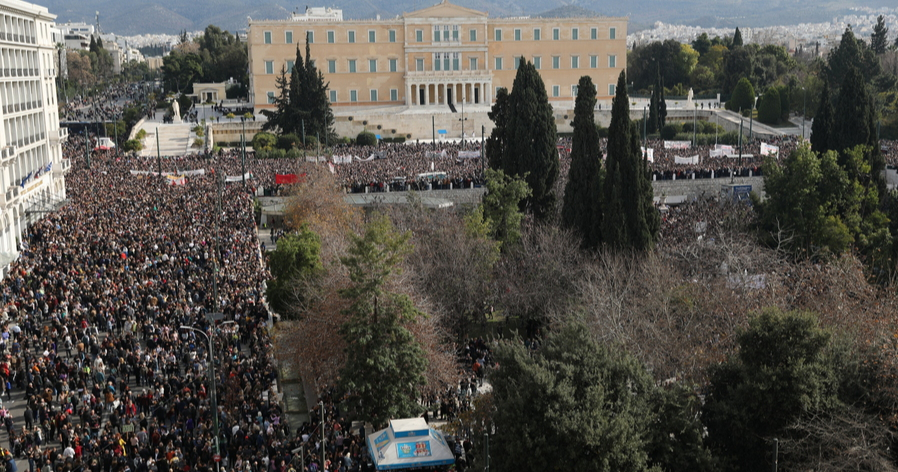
(285, 178)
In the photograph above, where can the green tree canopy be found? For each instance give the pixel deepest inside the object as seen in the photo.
(780, 373)
(822, 138)
(737, 38)
(528, 141)
(296, 258)
(501, 203)
(582, 210)
(385, 363)
(302, 106)
(629, 219)
(743, 96)
(851, 53)
(769, 107)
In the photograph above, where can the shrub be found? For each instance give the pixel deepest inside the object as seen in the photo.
(141, 134)
(199, 130)
(288, 141)
(311, 141)
(198, 142)
(743, 96)
(669, 131)
(293, 153)
(366, 138)
(769, 109)
(264, 141)
(399, 139)
(132, 145)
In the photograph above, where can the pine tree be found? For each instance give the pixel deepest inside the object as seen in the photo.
(302, 106)
(822, 128)
(582, 210)
(737, 38)
(385, 364)
(530, 139)
(856, 125)
(662, 103)
(652, 124)
(629, 218)
(879, 38)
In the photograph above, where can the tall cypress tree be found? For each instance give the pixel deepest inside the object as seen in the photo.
(495, 144)
(822, 128)
(530, 139)
(652, 124)
(662, 103)
(737, 38)
(879, 40)
(856, 125)
(629, 218)
(582, 210)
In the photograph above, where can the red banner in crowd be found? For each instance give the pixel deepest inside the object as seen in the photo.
(285, 178)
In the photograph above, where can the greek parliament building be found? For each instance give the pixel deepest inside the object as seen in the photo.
(441, 55)
(31, 165)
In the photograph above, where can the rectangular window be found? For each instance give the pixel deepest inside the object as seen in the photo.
(556, 90)
(612, 89)
(612, 61)
(593, 33)
(445, 32)
(455, 33)
(310, 36)
(537, 62)
(269, 67)
(612, 34)
(556, 62)
(556, 34)
(333, 96)
(437, 61)
(419, 36)
(330, 37)
(498, 63)
(288, 37)
(456, 61)
(593, 62)
(419, 64)
(353, 96)
(446, 61)
(352, 65)
(394, 95)
(392, 36)
(537, 34)
(472, 63)
(270, 97)
(372, 36)
(472, 35)
(373, 95)
(498, 34)
(331, 66)
(575, 62)
(267, 36)
(517, 34)
(393, 63)
(289, 67)
(372, 65)
(436, 33)
(575, 33)
(351, 36)
(573, 90)
(517, 63)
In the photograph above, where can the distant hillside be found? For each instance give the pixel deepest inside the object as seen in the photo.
(132, 17)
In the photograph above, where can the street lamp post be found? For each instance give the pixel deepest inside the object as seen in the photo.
(804, 112)
(751, 121)
(213, 388)
(243, 158)
(694, 112)
(462, 119)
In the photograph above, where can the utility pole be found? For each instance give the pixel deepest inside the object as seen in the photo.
(158, 153)
(482, 149)
(804, 113)
(87, 145)
(243, 158)
(322, 435)
(433, 130)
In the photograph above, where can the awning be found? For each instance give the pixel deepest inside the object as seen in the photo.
(408, 443)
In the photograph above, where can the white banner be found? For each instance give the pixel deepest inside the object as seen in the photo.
(316, 158)
(436, 155)
(189, 172)
(468, 154)
(686, 160)
(238, 178)
(677, 144)
(342, 159)
(727, 149)
(767, 149)
(359, 159)
(716, 153)
(648, 154)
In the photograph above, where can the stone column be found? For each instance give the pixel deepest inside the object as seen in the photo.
(409, 95)
(426, 94)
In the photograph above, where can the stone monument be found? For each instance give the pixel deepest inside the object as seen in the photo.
(176, 112)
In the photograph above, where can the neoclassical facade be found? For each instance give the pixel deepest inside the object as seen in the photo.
(32, 170)
(444, 54)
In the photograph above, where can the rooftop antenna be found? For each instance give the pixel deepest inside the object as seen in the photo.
(98, 23)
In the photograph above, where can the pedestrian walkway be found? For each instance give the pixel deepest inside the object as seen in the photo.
(174, 139)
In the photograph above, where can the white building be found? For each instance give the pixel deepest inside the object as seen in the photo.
(32, 169)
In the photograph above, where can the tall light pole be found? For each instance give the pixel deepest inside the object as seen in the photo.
(243, 158)
(804, 112)
(213, 388)
(752, 117)
(694, 112)
(462, 119)
(644, 130)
